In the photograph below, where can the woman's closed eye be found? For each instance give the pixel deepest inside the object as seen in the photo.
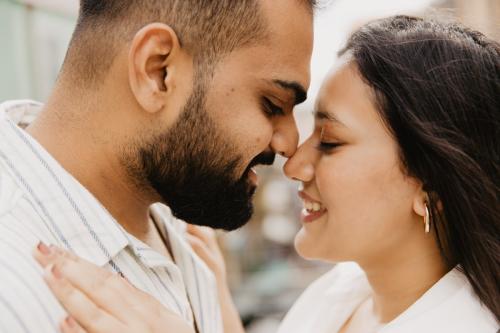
(327, 147)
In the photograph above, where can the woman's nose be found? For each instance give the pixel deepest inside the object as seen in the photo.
(301, 165)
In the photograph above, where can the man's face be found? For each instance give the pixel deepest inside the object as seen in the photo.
(194, 168)
(202, 166)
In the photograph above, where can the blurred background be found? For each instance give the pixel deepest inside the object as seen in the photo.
(266, 275)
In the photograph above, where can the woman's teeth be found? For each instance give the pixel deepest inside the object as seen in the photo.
(312, 206)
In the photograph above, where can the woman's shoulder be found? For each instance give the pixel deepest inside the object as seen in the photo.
(325, 303)
(451, 305)
(341, 275)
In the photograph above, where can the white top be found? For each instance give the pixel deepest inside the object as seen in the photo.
(39, 200)
(450, 306)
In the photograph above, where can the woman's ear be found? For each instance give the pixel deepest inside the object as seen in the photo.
(421, 202)
(153, 50)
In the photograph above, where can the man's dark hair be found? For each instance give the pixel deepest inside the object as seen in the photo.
(206, 28)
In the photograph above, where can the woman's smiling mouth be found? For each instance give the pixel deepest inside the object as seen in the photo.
(313, 209)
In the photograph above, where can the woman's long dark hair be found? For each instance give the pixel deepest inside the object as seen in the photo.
(437, 87)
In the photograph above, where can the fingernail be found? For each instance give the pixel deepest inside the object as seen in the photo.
(70, 322)
(56, 272)
(43, 249)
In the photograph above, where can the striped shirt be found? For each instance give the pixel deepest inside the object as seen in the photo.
(40, 201)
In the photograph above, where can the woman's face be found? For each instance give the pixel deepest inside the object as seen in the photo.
(361, 205)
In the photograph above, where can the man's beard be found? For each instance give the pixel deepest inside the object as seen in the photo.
(194, 169)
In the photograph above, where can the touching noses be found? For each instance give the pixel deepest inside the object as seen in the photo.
(301, 166)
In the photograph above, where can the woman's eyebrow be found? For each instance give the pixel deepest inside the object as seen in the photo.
(329, 116)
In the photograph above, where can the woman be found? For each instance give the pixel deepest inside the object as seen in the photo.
(400, 176)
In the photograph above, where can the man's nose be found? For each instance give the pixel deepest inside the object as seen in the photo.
(285, 137)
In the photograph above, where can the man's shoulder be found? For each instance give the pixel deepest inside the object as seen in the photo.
(20, 218)
(21, 112)
(10, 192)
(26, 303)
(21, 227)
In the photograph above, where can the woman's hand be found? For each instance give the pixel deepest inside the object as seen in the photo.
(99, 301)
(204, 243)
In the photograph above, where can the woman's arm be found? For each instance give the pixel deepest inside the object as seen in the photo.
(99, 301)
(204, 243)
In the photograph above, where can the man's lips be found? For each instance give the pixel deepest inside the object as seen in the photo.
(253, 177)
(266, 158)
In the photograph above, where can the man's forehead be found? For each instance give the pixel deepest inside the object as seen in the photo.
(287, 19)
(289, 46)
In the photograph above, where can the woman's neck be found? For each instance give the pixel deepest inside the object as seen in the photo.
(400, 278)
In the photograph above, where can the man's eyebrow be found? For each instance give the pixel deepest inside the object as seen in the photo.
(298, 90)
(325, 115)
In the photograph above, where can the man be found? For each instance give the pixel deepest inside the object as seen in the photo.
(176, 112)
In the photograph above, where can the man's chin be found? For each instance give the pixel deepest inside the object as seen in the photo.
(225, 223)
(213, 202)
(238, 223)
(227, 216)
(251, 190)
(252, 178)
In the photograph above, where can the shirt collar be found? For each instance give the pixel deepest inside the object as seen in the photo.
(198, 278)
(441, 292)
(74, 216)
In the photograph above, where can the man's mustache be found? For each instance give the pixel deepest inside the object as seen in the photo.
(264, 158)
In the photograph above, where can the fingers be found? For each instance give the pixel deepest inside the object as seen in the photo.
(46, 255)
(106, 290)
(100, 301)
(205, 234)
(209, 253)
(90, 317)
(70, 325)
(201, 249)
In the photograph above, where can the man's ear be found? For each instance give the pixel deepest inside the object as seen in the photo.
(153, 49)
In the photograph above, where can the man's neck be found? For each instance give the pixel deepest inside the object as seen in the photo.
(67, 132)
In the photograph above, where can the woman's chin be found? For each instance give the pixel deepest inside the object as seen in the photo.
(311, 248)
(306, 246)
